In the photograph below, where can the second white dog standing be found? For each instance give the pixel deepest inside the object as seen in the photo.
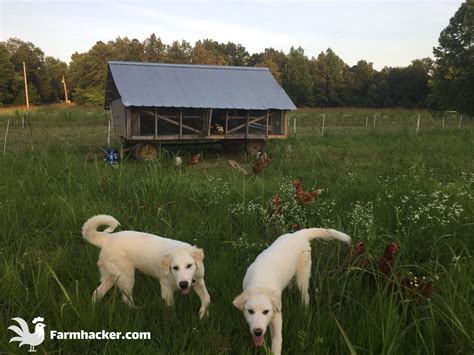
(287, 258)
(178, 265)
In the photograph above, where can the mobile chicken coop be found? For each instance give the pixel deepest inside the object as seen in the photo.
(155, 103)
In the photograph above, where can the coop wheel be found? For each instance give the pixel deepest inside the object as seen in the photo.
(145, 151)
(255, 145)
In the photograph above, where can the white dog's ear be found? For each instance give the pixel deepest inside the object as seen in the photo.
(239, 301)
(198, 256)
(165, 263)
(276, 303)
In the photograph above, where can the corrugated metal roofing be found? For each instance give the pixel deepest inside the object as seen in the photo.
(195, 86)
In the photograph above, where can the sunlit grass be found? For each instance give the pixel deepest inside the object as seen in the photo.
(375, 183)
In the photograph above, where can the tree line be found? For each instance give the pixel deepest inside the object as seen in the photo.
(323, 81)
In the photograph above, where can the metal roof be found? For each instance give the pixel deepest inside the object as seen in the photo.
(194, 86)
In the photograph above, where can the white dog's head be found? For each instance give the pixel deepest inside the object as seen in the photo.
(259, 305)
(184, 264)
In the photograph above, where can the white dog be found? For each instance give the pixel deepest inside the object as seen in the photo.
(287, 258)
(178, 265)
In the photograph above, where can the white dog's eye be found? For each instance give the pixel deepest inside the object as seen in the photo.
(251, 311)
(266, 311)
(175, 268)
(189, 266)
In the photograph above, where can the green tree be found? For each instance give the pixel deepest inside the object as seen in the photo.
(7, 76)
(125, 49)
(235, 54)
(33, 57)
(453, 76)
(330, 74)
(297, 78)
(417, 89)
(363, 83)
(54, 70)
(154, 49)
(88, 72)
(43, 74)
(19, 92)
(208, 52)
(405, 86)
(381, 92)
(180, 53)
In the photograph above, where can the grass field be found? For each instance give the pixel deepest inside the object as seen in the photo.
(380, 185)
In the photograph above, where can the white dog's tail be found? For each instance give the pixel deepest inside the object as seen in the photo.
(322, 233)
(90, 232)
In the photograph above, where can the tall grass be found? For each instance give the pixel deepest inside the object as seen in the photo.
(380, 186)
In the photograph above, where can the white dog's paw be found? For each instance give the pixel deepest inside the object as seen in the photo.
(169, 301)
(203, 312)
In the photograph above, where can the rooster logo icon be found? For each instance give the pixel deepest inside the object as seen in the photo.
(24, 335)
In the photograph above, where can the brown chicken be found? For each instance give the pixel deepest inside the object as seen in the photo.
(415, 288)
(405, 288)
(295, 227)
(412, 288)
(195, 159)
(359, 255)
(276, 205)
(261, 163)
(387, 261)
(359, 248)
(305, 197)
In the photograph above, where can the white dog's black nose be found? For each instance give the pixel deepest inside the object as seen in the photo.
(184, 284)
(258, 332)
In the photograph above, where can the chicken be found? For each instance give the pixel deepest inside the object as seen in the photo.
(359, 248)
(305, 197)
(409, 288)
(412, 287)
(359, 258)
(217, 129)
(387, 261)
(295, 227)
(178, 161)
(276, 210)
(24, 335)
(276, 205)
(415, 288)
(195, 159)
(261, 163)
(359, 255)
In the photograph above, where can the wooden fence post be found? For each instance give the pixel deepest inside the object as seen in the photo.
(108, 134)
(418, 124)
(324, 120)
(65, 90)
(26, 86)
(6, 137)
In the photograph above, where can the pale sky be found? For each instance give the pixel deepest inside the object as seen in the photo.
(387, 33)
